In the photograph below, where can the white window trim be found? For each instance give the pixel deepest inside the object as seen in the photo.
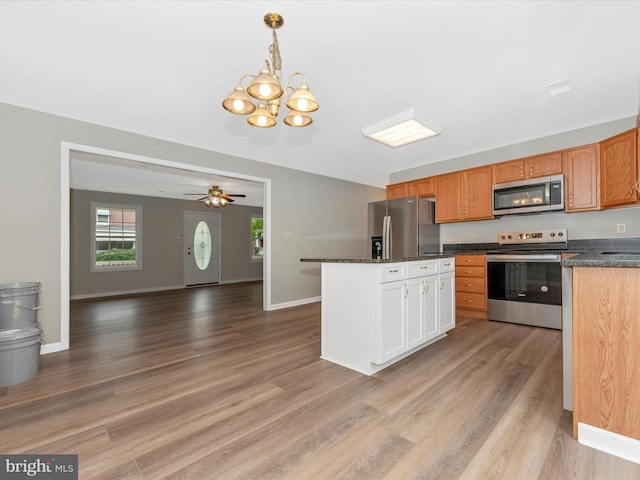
(92, 236)
(251, 257)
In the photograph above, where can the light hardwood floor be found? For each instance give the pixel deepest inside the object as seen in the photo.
(202, 384)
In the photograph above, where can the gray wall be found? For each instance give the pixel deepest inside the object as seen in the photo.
(601, 224)
(326, 216)
(162, 250)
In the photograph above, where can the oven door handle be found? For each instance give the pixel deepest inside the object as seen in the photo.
(548, 257)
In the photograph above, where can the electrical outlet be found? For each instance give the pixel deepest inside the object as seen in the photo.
(621, 227)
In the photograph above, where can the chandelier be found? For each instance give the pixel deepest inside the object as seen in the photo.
(266, 89)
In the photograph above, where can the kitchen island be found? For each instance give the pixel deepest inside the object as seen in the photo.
(606, 351)
(377, 312)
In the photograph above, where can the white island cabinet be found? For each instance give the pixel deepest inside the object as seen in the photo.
(374, 314)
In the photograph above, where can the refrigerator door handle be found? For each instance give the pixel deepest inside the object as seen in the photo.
(385, 242)
(387, 239)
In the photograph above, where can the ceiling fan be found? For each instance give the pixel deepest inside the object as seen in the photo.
(216, 197)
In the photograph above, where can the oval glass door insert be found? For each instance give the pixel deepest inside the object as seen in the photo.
(202, 245)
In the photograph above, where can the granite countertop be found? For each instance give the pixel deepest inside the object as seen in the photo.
(599, 259)
(375, 260)
(599, 252)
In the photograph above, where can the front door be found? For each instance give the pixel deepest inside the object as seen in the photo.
(202, 248)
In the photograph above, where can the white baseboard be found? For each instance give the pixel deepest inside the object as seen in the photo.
(294, 303)
(609, 442)
(125, 292)
(225, 282)
(52, 348)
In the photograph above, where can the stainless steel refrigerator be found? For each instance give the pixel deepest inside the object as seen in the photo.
(403, 227)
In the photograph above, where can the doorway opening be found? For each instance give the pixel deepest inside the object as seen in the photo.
(67, 150)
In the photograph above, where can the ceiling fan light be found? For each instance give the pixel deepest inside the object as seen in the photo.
(265, 86)
(297, 119)
(238, 102)
(261, 117)
(302, 100)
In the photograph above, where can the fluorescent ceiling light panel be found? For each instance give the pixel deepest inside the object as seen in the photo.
(401, 129)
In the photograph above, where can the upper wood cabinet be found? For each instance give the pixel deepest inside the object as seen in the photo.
(464, 195)
(582, 179)
(422, 187)
(448, 198)
(531, 167)
(476, 193)
(619, 169)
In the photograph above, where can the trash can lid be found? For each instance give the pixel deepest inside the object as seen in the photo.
(19, 334)
(13, 286)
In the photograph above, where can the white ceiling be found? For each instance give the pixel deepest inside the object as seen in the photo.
(479, 68)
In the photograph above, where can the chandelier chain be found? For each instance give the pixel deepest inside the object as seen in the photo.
(274, 50)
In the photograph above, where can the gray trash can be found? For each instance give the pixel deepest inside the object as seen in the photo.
(19, 305)
(19, 355)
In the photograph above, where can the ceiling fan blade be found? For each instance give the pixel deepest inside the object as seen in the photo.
(194, 194)
(235, 195)
(230, 200)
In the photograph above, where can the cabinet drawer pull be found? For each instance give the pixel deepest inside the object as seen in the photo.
(395, 270)
(468, 271)
(468, 284)
(468, 261)
(468, 301)
(424, 267)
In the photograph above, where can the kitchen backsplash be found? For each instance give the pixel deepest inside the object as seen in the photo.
(585, 225)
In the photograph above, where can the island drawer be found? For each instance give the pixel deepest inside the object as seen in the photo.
(420, 269)
(393, 271)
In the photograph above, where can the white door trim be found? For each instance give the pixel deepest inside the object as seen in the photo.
(65, 212)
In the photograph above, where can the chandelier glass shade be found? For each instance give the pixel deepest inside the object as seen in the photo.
(267, 90)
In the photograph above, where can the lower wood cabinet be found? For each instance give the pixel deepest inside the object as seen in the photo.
(471, 285)
(376, 314)
(606, 353)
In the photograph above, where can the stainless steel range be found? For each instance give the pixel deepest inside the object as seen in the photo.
(525, 278)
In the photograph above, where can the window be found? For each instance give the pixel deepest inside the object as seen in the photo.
(115, 237)
(257, 241)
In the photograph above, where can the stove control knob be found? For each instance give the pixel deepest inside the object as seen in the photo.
(553, 234)
(503, 237)
(509, 237)
(560, 234)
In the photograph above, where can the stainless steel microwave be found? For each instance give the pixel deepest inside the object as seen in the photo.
(542, 194)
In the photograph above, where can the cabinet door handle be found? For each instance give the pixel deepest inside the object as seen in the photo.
(631, 191)
(571, 200)
(465, 211)
(406, 290)
(530, 170)
(441, 284)
(638, 185)
(521, 172)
